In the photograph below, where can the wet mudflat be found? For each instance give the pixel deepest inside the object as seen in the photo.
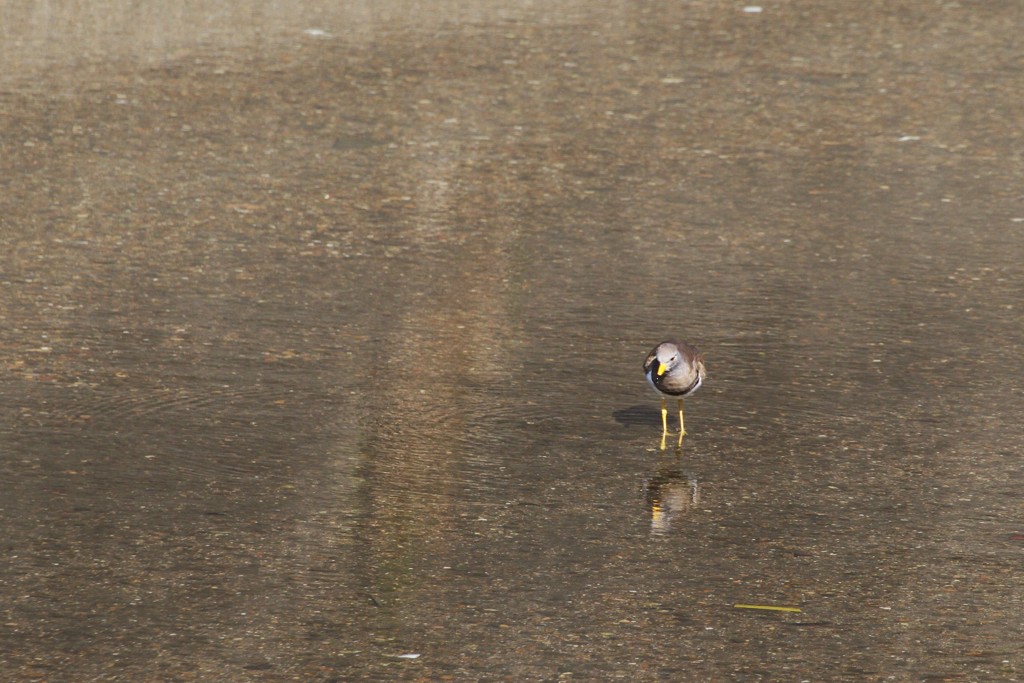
(322, 331)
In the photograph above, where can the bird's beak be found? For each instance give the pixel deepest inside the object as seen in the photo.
(661, 369)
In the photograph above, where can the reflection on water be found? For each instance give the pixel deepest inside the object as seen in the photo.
(323, 349)
(671, 493)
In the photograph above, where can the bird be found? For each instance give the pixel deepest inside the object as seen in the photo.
(674, 369)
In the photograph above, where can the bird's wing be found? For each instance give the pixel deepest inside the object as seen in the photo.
(651, 359)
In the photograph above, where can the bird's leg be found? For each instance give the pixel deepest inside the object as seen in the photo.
(664, 417)
(682, 430)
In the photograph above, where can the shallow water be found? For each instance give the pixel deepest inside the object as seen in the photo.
(322, 334)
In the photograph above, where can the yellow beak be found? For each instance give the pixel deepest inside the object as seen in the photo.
(661, 369)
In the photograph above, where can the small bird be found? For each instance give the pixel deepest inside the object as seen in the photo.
(674, 368)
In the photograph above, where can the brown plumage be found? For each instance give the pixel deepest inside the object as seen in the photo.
(674, 369)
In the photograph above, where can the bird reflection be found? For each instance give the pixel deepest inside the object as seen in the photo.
(670, 493)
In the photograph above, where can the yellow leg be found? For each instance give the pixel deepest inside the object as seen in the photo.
(664, 423)
(682, 430)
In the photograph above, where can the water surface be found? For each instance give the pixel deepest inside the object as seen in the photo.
(322, 334)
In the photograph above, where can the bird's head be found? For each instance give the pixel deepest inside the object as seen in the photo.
(668, 358)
